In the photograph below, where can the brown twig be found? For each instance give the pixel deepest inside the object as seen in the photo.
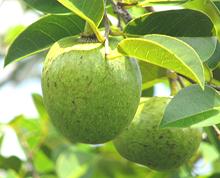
(119, 9)
(179, 79)
(193, 82)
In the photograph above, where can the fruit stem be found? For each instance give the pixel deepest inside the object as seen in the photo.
(92, 33)
(88, 30)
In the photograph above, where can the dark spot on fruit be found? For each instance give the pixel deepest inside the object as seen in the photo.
(81, 57)
(74, 105)
(48, 84)
(161, 137)
(89, 83)
(55, 84)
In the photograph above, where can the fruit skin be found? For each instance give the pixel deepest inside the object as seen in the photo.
(159, 149)
(90, 99)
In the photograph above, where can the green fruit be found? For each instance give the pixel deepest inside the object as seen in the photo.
(89, 99)
(160, 149)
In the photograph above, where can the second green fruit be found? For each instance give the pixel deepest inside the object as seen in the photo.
(145, 143)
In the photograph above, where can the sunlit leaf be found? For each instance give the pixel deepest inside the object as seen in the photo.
(39, 158)
(165, 52)
(42, 34)
(91, 11)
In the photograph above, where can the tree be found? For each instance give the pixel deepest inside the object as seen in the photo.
(179, 48)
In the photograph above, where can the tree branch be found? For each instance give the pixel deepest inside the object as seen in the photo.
(119, 9)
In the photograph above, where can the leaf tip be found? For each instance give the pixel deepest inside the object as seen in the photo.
(5, 62)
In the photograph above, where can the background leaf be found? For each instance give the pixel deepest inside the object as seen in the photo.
(29, 130)
(38, 102)
(47, 6)
(73, 163)
(165, 52)
(201, 108)
(42, 34)
(11, 162)
(178, 23)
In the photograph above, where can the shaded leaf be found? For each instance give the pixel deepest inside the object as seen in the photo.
(11, 162)
(204, 46)
(91, 11)
(209, 8)
(42, 34)
(147, 92)
(201, 108)
(166, 52)
(178, 23)
(151, 74)
(214, 60)
(47, 6)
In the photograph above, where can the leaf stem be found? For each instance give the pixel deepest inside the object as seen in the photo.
(179, 79)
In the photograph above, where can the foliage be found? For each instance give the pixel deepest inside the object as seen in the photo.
(180, 46)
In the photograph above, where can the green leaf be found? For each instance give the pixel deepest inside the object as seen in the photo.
(204, 46)
(166, 52)
(193, 106)
(42, 34)
(28, 131)
(160, 2)
(73, 163)
(209, 153)
(209, 8)
(151, 74)
(39, 158)
(91, 11)
(214, 60)
(38, 102)
(47, 6)
(11, 174)
(12, 33)
(178, 23)
(213, 137)
(11, 162)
